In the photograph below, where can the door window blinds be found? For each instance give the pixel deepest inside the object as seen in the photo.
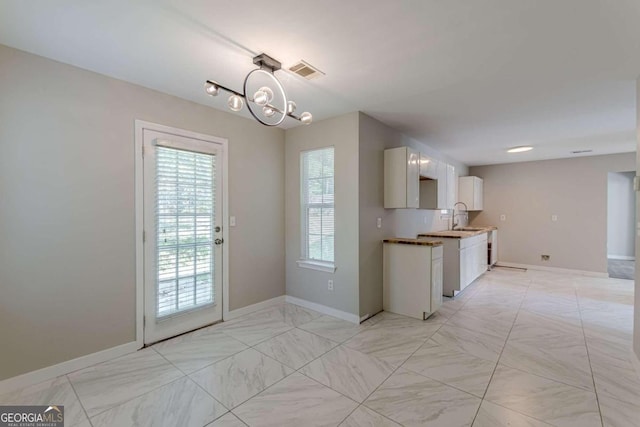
(185, 210)
(318, 205)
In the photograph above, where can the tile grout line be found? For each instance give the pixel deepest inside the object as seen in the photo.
(536, 375)
(78, 398)
(137, 397)
(502, 351)
(230, 410)
(194, 382)
(349, 348)
(393, 372)
(584, 335)
(389, 376)
(119, 404)
(402, 366)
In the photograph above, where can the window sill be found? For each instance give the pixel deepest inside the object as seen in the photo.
(327, 267)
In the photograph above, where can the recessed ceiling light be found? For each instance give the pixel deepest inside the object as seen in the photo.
(521, 149)
(581, 151)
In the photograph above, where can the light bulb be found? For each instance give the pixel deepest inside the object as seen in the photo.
(211, 89)
(267, 90)
(268, 111)
(306, 118)
(291, 107)
(260, 97)
(235, 103)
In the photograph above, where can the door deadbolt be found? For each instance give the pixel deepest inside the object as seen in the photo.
(218, 228)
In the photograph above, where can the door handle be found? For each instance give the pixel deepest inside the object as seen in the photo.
(218, 241)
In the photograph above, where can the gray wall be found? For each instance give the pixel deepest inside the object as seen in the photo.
(373, 139)
(67, 251)
(360, 142)
(621, 215)
(530, 193)
(311, 285)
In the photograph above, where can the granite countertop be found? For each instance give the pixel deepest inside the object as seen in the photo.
(418, 242)
(459, 234)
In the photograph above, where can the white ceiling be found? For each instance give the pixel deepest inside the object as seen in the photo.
(468, 77)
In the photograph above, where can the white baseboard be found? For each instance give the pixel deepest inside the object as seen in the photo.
(253, 307)
(622, 257)
(50, 372)
(349, 317)
(636, 362)
(553, 269)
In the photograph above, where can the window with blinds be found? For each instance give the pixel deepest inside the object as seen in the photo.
(318, 205)
(185, 200)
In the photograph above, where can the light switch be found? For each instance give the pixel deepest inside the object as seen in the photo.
(379, 222)
(503, 217)
(554, 218)
(232, 221)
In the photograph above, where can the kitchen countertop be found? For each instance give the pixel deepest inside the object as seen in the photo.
(458, 234)
(418, 242)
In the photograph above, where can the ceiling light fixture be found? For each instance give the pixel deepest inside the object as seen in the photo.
(264, 95)
(521, 149)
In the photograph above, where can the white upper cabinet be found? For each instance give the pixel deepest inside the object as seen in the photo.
(470, 190)
(452, 186)
(401, 178)
(428, 167)
(441, 191)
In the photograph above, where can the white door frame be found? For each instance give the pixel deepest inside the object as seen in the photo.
(140, 125)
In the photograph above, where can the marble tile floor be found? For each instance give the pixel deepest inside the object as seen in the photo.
(520, 349)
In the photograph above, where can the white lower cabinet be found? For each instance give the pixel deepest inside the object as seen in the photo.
(412, 279)
(464, 261)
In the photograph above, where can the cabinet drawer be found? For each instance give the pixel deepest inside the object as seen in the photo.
(472, 241)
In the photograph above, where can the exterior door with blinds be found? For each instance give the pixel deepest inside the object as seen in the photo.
(183, 246)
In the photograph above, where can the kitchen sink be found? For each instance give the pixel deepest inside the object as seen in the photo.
(469, 229)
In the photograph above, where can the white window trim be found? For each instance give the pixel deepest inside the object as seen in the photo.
(140, 125)
(312, 264)
(327, 267)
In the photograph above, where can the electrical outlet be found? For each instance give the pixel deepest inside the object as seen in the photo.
(503, 217)
(545, 257)
(379, 223)
(330, 285)
(554, 218)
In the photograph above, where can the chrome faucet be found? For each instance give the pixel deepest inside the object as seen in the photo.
(454, 224)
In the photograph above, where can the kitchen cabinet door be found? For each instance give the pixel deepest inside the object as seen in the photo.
(477, 194)
(401, 178)
(436, 283)
(428, 167)
(442, 185)
(452, 186)
(470, 192)
(413, 178)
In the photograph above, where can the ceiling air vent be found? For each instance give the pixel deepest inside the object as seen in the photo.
(304, 69)
(581, 151)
